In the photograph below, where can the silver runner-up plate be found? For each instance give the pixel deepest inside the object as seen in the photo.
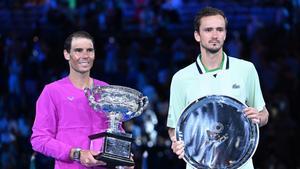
(216, 133)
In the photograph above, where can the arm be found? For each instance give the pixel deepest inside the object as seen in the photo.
(45, 127)
(171, 132)
(257, 110)
(176, 105)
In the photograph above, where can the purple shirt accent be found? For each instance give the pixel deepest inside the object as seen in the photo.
(64, 120)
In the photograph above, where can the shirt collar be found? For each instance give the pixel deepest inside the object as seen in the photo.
(201, 68)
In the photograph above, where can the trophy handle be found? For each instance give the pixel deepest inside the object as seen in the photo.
(143, 103)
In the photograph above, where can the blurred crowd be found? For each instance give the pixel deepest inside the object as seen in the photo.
(141, 44)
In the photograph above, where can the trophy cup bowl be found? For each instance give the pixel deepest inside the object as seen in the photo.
(120, 104)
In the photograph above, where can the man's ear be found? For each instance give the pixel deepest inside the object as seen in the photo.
(66, 55)
(196, 36)
(225, 35)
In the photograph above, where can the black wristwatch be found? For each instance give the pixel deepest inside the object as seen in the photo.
(76, 154)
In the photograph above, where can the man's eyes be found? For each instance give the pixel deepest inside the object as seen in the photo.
(90, 50)
(211, 29)
(79, 50)
(208, 29)
(220, 29)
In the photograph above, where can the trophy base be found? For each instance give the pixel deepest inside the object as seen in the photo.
(115, 148)
(113, 161)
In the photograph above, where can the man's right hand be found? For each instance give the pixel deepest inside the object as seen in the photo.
(87, 158)
(177, 147)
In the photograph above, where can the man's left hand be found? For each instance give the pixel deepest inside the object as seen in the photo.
(253, 114)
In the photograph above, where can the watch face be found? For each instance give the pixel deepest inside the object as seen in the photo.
(216, 133)
(76, 155)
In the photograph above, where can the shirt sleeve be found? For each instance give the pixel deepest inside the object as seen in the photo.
(176, 103)
(254, 94)
(45, 127)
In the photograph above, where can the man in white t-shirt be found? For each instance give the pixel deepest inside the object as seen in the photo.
(214, 73)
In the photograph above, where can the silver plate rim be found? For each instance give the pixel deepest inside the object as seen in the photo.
(196, 100)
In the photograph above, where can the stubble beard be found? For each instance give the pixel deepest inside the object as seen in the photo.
(211, 49)
(80, 71)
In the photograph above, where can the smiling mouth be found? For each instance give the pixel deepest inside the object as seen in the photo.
(82, 62)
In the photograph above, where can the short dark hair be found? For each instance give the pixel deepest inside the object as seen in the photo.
(78, 34)
(207, 11)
